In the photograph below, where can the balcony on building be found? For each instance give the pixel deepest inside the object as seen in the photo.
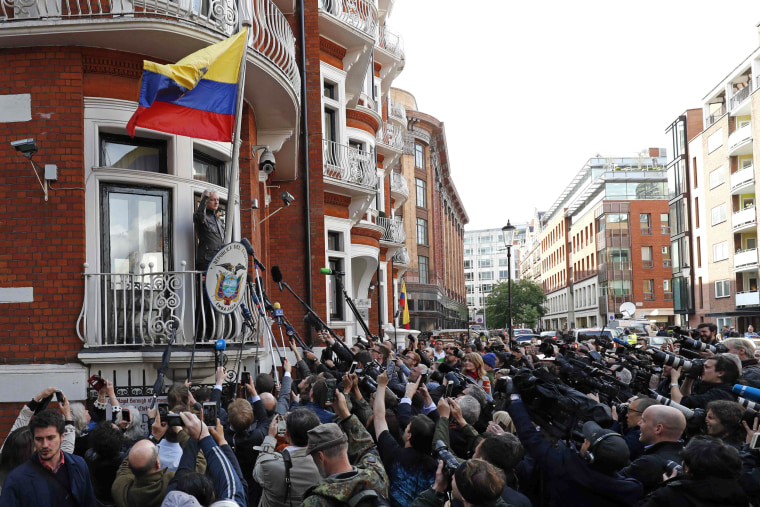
(169, 31)
(744, 220)
(715, 110)
(390, 143)
(138, 310)
(742, 180)
(389, 53)
(745, 260)
(349, 168)
(399, 189)
(740, 88)
(748, 298)
(397, 112)
(740, 141)
(668, 296)
(353, 26)
(393, 233)
(401, 257)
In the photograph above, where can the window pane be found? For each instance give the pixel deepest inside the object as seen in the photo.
(209, 169)
(136, 154)
(421, 197)
(423, 268)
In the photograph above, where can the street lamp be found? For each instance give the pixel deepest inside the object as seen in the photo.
(509, 234)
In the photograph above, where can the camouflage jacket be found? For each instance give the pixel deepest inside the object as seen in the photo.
(368, 472)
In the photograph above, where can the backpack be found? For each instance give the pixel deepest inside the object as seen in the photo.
(368, 498)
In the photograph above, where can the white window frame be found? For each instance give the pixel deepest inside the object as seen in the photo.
(718, 214)
(720, 251)
(722, 289)
(717, 177)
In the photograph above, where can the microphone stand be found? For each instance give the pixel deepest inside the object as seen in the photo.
(291, 332)
(352, 306)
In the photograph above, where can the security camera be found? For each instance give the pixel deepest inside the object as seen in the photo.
(267, 162)
(27, 147)
(287, 198)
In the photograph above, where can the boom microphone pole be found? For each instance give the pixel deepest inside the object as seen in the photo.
(339, 280)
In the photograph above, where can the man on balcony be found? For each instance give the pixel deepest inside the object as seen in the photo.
(209, 228)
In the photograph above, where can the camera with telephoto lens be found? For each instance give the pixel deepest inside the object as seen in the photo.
(688, 333)
(621, 409)
(696, 415)
(693, 368)
(441, 452)
(700, 346)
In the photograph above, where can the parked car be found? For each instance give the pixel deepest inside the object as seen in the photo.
(597, 331)
(521, 331)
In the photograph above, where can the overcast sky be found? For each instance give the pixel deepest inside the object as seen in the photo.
(528, 91)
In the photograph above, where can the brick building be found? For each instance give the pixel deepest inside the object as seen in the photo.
(93, 276)
(434, 222)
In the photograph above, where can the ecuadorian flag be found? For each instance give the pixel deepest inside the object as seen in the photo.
(403, 305)
(195, 97)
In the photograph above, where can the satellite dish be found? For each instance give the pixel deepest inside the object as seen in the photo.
(628, 310)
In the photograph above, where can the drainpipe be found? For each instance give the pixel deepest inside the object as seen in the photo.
(305, 150)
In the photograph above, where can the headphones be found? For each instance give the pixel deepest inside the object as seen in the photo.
(588, 455)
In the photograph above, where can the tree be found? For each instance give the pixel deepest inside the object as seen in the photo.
(527, 304)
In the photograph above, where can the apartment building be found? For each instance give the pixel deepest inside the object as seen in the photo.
(434, 221)
(530, 250)
(723, 190)
(486, 264)
(100, 266)
(606, 241)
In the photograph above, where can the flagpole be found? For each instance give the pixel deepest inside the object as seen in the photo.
(234, 183)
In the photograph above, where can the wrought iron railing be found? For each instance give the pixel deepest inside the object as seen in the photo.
(390, 42)
(359, 14)
(141, 308)
(349, 164)
(397, 110)
(399, 184)
(394, 229)
(391, 135)
(271, 35)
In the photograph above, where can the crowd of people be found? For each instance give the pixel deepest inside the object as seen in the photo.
(476, 421)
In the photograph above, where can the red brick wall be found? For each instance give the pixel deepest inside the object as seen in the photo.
(8, 414)
(656, 240)
(43, 242)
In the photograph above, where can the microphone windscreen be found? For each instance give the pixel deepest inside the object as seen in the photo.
(247, 245)
(276, 274)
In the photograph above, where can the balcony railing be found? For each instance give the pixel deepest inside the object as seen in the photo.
(649, 296)
(665, 229)
(397, 111)
(366, 101)
(399, 184)
(359, 14)
(742, 177)
(391, 42)
(140, 309)
(668, 296)
(391, 135)
(647, 263)
(748, 298)
(743, 218)
(745, 258)
(740, 96)
(271, 35)
(646, 231)
(394, 229)
(739, 137)
(715, 115)
(667, 263)
(349, 164)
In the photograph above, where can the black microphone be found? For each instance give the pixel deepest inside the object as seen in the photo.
(277, 276)
(248, 247)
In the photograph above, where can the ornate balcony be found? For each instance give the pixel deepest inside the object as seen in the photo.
(394, 230)
(399, 189)
(349, 166)
(397, 111)
(402, 257)
(139, 309)
(358, 14)
(391, 136)
(391, 43)
(742, 179)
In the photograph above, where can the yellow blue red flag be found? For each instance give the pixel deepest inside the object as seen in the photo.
(402, 302)
(195, 97)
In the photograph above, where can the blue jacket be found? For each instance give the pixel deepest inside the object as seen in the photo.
(26, 486)
(570, 480)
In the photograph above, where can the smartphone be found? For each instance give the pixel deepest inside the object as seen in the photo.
(503, 426)
(59, 397)
(331, 385)
(282, 426)
(245, 377)
(125, 415)
(424, 379)
(96, 382)
(163, 411)
(449, 389)
(352, 369)
(174, 420)
(209, 413)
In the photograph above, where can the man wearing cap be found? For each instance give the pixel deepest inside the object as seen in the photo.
(346, 458)
(586, 478)
(489, 363)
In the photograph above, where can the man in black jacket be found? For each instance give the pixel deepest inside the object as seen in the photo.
(719, 376)
(661, 429)
(209, 228)
(745, 349)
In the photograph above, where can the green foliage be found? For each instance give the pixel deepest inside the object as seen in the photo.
(527, 305)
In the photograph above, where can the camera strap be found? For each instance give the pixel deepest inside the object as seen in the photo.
(288, 465)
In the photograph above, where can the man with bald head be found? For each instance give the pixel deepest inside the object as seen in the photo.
(140, 479)
(661, 431)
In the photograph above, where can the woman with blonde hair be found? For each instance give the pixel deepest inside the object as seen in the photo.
(473, 366)
(504, 421)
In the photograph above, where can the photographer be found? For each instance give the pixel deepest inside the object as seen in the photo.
(710, 473)
(632, 431)
(719, 376)
(708, 333)
(475, 482)
(285, 476)
(745, 349)
(661, 431)
(586, 478)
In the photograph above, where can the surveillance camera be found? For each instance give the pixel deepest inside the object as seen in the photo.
(287, 198)
(26, 147)
(267, 162)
